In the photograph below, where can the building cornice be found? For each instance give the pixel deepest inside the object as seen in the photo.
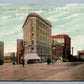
(38, 16)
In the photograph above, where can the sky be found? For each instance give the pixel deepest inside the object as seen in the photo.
(69, 21)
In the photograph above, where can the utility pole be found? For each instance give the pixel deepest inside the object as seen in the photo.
(72, 50)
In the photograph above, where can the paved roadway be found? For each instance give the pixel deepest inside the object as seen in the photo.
(33, 72)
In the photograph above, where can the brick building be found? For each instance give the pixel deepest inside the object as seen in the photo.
(37, 37)
(65, 42)
(20, 50)
(57, 50)
(81, 54)
(1, 52)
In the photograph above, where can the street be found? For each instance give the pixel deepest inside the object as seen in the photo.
(42, 72)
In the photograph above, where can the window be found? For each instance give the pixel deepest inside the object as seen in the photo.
(32, 42)
(32, 49)
(32, 21)
(32, 28)
(38, 50)
(32, 35)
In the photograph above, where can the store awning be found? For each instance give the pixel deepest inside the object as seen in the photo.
(31, 56)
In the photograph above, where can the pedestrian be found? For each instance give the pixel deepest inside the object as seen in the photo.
(23, 63)
(48, 61)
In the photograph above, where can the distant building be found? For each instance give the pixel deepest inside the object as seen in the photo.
(37, 37)
(19, 50)
(81, 54)
(9, 56)
(1, 52)
(65, 42)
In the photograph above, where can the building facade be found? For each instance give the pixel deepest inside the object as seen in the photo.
(37, 36)
(1, 52)
(65, 41)
(19, 50)
(81, 54)
(9, 56)
(57, 50)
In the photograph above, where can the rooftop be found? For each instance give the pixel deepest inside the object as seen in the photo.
(60, 36)
(35, 14)
(1, 42)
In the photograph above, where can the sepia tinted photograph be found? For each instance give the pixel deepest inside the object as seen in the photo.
(41, 42)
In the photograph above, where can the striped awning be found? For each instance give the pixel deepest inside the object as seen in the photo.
(31, 56)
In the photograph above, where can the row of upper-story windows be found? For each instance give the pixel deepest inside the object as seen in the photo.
(43, 28)
(32, 42)
(40, 43)
(43, 50)
(41, 23)
(27, 32)
(43, 38)
(32, 38)
(28, 26)
(43, 32)
(32, 20)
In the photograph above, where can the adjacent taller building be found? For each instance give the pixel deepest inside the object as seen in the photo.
(1, 52)
(65, 41)
(37, 37)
